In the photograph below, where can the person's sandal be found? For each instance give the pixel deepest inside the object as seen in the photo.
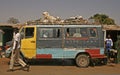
(26, 68)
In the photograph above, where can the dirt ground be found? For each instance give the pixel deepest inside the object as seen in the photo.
(57, 67)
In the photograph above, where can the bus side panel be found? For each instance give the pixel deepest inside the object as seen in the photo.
(95, 53)
(49, 53)
(72, 53)
(57, 53)
(49, 42)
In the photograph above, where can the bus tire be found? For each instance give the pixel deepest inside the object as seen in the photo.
(82, 61)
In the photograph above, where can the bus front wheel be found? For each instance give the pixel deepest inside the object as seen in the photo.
(82, 61)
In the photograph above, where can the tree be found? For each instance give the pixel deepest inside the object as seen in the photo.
(13, 20)
(103, 19)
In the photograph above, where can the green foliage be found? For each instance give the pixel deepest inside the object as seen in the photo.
(103, 19)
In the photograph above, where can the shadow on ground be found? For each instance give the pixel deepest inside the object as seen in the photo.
(55, 62)
(58, 62)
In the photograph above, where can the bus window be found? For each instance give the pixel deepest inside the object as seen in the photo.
(93, 32)
(76, 32)
(45, 32)
(84, 32)
(73, 32)
(49, 33)
(29, 33)
(67, 32)
(57, 33)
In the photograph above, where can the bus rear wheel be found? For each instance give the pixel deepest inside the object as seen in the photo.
(82, 61)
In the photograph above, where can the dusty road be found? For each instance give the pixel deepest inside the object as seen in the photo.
(52, 68)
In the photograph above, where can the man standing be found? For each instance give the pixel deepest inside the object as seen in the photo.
(15, 56)
(109, 44)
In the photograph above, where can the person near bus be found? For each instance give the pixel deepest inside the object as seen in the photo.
(109, 44)
(15, 56)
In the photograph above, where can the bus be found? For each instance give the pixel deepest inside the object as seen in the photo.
(82, 43)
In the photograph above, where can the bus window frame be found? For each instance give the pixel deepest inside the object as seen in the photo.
(23, 32)
(68, 33)
(54, 34)
(31, 34)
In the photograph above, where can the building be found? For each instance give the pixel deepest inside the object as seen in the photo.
(6, 33)
(113, 31)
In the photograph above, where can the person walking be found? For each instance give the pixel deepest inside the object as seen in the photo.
(15, 56)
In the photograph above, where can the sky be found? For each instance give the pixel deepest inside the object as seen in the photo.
(25, 10)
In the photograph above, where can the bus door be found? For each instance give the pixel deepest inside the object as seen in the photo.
(28, 41)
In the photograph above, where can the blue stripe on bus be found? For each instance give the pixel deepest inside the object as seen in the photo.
(59, 52)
